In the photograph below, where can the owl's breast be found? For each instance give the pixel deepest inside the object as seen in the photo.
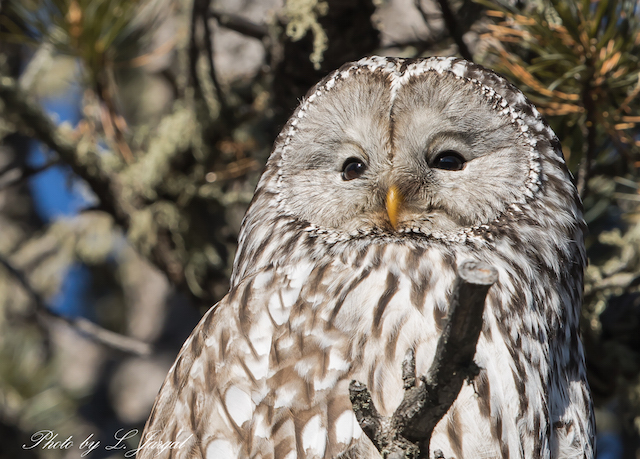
(371, 314)
(354, 318)
(363, 317)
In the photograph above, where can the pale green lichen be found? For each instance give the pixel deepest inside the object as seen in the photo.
(95, 237)
(145, 224)
(142, 231)
(302, 16)
(173, 137)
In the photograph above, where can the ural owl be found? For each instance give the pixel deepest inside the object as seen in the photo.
(387, 176)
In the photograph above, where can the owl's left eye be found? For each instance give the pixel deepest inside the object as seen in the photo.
(352, 169)
(449, 160)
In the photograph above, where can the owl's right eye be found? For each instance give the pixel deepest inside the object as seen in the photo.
(352, 169)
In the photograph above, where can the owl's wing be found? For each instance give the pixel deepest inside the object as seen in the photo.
(256, 378)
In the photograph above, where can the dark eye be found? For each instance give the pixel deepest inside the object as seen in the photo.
(352, 168)
(449, 160)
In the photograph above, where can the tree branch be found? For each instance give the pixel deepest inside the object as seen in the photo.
(80, 324)
(34, 122)
(407, 434)
(589, 129)
(208, 45)
(240, 25)
(26, 172)
(453, 26)
(201, 42)
(425, 16)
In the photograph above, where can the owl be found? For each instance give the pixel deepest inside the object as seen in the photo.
(389, 174)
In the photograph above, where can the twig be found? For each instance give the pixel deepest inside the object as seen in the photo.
(589, 148)
(418, 43)
(38, 64)
(200, 16)
(8, 168)
(113, 123)
(80, 324)
(107, 337)
(452, 24)
(26, 173)
(407, 433)
(426, 17)
(240, 24)
(208, 44)
(194, 51)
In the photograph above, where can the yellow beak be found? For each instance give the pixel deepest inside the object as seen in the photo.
(394, 200)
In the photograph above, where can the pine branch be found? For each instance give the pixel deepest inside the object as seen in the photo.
(407, 433)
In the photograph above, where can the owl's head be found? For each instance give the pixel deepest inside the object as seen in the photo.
(430, 146)
(435, 148)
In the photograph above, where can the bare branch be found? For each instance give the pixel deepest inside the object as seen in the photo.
(589, 129)
(240, 25)
(80, 324)
(208, 43)
(407, 433)
(452, 24)
(26, 172)
(366, 413)
(409, 369)
(39, 64)
(107, 337)
(201, 41)
(425, 43)
(426, 17)
(194, 50)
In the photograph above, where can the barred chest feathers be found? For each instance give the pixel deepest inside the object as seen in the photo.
(514, 408)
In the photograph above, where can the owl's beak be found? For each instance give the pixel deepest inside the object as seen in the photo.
(394, 201)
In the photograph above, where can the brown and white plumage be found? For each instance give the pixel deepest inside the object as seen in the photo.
(327, 287)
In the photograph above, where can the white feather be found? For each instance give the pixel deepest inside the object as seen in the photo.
(314, 437)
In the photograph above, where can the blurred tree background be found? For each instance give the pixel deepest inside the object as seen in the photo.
(132, 135)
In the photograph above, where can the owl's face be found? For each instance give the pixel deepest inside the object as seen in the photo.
(433, 153)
